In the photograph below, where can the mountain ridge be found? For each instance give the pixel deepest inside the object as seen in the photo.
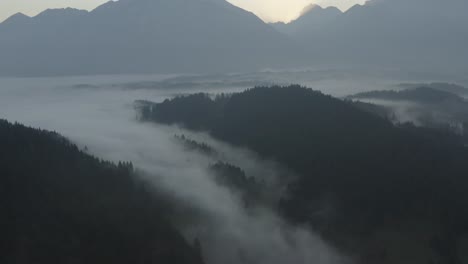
(214, 36)
(140, 36)
(415, 34)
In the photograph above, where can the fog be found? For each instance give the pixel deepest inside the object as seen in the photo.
(406, 111)
(97, 114)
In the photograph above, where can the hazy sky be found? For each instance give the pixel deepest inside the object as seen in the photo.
(285, 10)
(269, 10)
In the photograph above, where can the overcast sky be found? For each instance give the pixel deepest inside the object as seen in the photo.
(269, 10)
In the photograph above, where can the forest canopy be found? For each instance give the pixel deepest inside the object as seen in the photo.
(374, 174)
(61, 205)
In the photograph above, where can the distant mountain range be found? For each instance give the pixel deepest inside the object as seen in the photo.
(135, 36)
(312, 18)
(414, 34)
(194, 36)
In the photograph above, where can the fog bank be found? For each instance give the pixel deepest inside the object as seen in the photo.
(100, 117)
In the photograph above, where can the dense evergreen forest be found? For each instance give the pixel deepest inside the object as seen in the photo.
(192, 145)
(251, 191)
(361, 177)
(61, 205)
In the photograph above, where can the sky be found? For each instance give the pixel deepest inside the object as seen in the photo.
(268, 10)
(286, 10)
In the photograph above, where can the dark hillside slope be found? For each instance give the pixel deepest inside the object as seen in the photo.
(359, 174)
(60, 205)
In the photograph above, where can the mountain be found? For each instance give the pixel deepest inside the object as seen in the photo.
(17, 18)
(313, 17)
(385, 193)
(129, 36)
(61, 205)
(406, 34)
(213, 36)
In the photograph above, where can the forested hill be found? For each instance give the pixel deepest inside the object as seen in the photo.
(360, 176)
(422, 94)
(60, 205)
(425, 106)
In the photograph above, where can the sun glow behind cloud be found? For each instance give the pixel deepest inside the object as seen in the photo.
(268, 10)
(281, 10)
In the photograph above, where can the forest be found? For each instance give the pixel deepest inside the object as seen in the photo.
(438, 106)
(61, 205)
(233, 132)
(360, 175)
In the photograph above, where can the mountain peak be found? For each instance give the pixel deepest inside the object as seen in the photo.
(310, 8)
(314, 9)
(60, 12)
(18, 17)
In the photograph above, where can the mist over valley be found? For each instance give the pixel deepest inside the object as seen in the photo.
(194, 132)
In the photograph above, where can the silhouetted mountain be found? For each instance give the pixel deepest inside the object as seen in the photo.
(378, 190)
(17, 18)
(409, 34)
(60, 205)
(193, 36)
(139, 36)
(312, 18)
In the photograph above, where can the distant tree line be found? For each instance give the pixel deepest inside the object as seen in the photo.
(234, 178)
(193, 145)
(249, 189)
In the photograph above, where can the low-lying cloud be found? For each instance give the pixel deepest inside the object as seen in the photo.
(103, 120)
